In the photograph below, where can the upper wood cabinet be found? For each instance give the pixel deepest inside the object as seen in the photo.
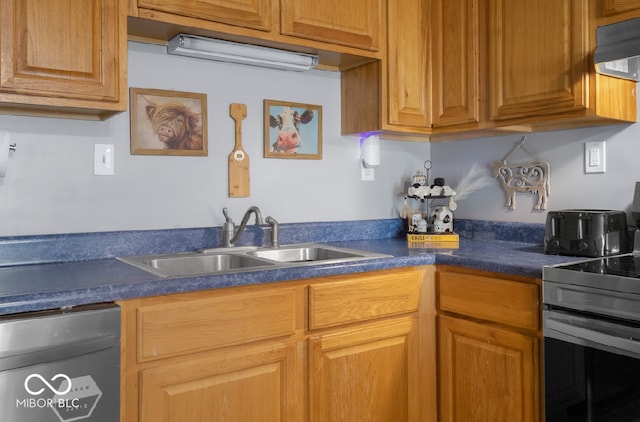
(457, 63)
(463, 68)
(538, 58)
(541, 66)
(256, 14)
(355, 23)
(63, 58)
(610, 11)
(406, 86)
(432, 77)
(342, 34)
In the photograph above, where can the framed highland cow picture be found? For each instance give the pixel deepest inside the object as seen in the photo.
(167, 122)
(292, 130)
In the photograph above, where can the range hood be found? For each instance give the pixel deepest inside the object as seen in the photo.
(618, 49)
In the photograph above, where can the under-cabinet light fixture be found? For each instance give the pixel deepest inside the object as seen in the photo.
(227, 51)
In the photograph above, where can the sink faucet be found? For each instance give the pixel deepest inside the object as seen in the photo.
(274, 231)
(229, 235)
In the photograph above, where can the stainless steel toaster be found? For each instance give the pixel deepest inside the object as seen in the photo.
(584, 232)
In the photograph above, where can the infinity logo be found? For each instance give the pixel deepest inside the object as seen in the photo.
(51, 387)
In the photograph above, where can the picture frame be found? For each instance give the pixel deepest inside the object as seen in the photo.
(292, 130)
(165, 122)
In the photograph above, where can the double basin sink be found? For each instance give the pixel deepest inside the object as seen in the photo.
(245, 258)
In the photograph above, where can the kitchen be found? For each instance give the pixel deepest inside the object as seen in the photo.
(49, 186)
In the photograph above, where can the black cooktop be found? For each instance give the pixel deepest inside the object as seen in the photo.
(616, 273)
(627, 265)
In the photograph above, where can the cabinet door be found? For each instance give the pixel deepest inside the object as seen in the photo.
(252, 383)
(369, 373)
(254, 14)
(456, 62)
(354, 23)
(55, 52)
(539, 58)
(452, 96)
(486, 373)
(407, 74)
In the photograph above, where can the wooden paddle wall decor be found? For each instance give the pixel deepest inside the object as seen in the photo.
(239, 183)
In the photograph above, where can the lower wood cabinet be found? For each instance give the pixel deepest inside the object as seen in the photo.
(345, 348)
(486, 373)
(250, 383)
(369, 373)
(489, 338)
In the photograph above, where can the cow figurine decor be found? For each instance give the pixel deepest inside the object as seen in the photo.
(531, 177)
(288, 123)
(441, 220)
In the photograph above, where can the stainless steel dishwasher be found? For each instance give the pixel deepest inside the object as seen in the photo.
(61, 365)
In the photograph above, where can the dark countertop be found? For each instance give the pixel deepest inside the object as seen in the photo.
(39, 286)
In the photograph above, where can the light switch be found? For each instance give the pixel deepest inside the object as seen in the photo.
(103, 160)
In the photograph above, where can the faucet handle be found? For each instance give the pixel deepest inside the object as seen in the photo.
(274, 231)
(225, 212)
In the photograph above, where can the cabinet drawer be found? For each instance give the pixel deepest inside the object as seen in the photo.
(355, 299)
(186, 326)
(504, 301)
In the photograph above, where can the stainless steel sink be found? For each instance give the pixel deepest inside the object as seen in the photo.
(308, 253)
(196, 263)
(242, 259)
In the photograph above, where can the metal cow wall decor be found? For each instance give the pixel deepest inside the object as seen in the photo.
(531, 177)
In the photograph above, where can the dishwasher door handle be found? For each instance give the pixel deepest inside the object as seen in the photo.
(23, 358)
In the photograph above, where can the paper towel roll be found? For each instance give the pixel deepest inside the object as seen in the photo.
(4, 152)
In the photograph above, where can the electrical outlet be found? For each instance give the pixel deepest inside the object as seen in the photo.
(367, 174)
(594, 157)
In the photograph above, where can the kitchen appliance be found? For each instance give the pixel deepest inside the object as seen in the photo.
(59, 366)
(618, 49)
(590, 233)
(591, 319)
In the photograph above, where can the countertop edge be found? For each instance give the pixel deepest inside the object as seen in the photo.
(107, 280)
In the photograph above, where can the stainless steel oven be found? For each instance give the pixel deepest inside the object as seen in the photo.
(591, 320)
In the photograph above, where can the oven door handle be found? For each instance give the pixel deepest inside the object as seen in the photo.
(592, 332)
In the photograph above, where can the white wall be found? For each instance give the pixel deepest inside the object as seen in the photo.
(50, 186)
(564, 150)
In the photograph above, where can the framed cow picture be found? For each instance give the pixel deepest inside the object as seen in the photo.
(168, 122)
(292, 130)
